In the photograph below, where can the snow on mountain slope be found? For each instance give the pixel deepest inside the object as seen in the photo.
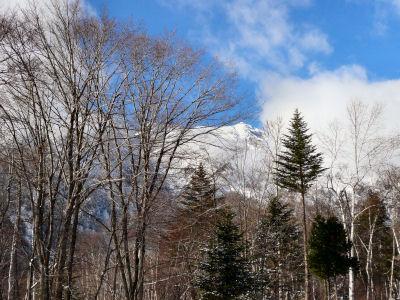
(223, 142)
(237, 155)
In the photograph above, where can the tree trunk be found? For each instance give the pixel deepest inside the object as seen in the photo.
(392, 268)
(305, 247)
(351, 271)
(139, 256)
(328, 289)
(279, 272)
(12, 292)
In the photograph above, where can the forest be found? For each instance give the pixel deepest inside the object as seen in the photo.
(104, 193)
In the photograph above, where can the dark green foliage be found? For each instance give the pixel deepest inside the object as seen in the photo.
(199, 192)
(329, 249)
(299, 164)
(278, 257)
(225, 274)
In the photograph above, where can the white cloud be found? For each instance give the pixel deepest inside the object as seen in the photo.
(15, 5)
(315, 40)
(324, 96)
(384, 11)
(264, 34)
(43, 6)
(256, 34)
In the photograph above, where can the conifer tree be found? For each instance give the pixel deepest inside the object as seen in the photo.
(277, 253)
(189, 231)
(199, 192)
(298, 165)
(198, 205)
(225, 273)
(329, 250)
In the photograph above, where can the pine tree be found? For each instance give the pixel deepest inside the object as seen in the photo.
(199, 192)
(225, 274)
(198, 206)
(329, 250)
(189, 231)
(297, 167)
(277, 253)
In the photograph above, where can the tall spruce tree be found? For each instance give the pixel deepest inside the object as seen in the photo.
(225, 273)
(199, 192)
(329, 250)
(277, 254)
(189, 231)
(298, 165)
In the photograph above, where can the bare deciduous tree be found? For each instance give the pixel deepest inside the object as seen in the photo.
(59, 85)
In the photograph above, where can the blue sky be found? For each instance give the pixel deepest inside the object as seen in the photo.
(313, 55)
(363, 32)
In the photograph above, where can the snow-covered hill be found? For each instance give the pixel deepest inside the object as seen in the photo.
(236, 154)
(223, 143)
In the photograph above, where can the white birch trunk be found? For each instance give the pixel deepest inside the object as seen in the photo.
(352, 253)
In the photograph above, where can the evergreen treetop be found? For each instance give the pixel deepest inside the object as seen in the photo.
(199, 192)
(299, 164)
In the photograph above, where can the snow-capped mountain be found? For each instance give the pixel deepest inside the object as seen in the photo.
(225, 142)
(234, 153)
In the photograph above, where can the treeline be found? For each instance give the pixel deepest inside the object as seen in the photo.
(102, 195)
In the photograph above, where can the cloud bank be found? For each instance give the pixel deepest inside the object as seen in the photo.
(324, 96)
(43, 6)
